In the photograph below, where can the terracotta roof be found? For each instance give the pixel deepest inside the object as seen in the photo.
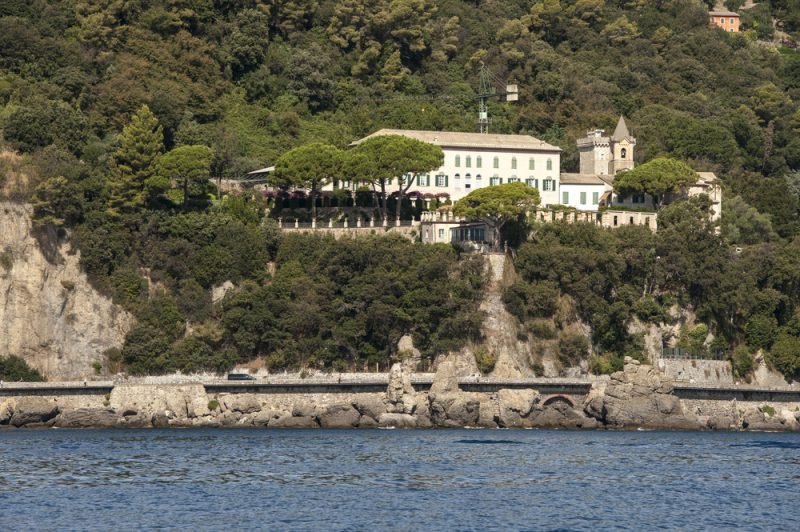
(451, 139)
(723, 13)
(581, 179)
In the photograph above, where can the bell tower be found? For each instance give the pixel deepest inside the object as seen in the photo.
(602, 155)
(622, 145)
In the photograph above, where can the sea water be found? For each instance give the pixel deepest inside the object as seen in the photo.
(397, 480)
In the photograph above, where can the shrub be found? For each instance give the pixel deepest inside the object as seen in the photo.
(785, 355)
(15, 369)
(742, 362)
(606, 364)
(485, 360)
(6, 260)
(544, 330)
(213, 404)
(768, 410)
(759, 332)
(648, 310)
(693, 339)
(97, 367)
(572, 348)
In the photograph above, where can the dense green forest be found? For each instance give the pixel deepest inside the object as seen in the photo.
(104, 99)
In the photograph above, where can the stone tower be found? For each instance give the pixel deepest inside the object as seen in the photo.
(602, 155)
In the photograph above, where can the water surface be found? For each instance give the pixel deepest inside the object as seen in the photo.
(399, 480)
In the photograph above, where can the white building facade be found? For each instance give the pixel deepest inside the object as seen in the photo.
(477, 160)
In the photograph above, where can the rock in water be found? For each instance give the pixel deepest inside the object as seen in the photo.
(6, 411)
(446, 379)
(400, 421)
(87, 418)
(339, 417)
(514, 406)
(638, 396)
(33, 410)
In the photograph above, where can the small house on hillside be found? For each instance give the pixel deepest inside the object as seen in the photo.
(727, 20)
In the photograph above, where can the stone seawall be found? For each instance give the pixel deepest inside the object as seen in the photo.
(638, 397)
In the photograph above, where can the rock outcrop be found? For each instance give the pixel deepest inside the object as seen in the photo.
(88, 418)
(49, 314)
(638, 396)
(33, 411)
(449, 407)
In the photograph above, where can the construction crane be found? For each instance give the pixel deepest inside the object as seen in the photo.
(488, 88)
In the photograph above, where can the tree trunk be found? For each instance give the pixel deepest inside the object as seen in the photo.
(185, 192)
(313, 195)
(385, 206)
(401, 192)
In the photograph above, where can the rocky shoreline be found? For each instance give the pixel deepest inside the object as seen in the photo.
(637, 398)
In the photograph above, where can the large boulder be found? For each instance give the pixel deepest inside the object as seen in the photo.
(446, 379)
(399, 383)
(339, 417)
(638, 396)
(449, 406)
(303, 407)
(455, 410)
(179, 401)
(245, 403)
(412, 356)
(560, 415)
(514, 406)
(81, 418)
(400, 421)
(294, 422)
(6, 411)
(29, 410)
(371, 405)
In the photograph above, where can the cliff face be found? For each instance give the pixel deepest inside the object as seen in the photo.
(49, 314)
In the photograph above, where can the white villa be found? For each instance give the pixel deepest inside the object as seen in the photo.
(476, 160)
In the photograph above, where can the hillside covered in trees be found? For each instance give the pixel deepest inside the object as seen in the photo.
(106, 98)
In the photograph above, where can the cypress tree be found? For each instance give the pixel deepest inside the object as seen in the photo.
(140, 144)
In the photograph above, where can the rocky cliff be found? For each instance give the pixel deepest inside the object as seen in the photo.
(49, 314)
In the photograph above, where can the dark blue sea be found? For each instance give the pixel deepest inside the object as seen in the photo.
(397, 480)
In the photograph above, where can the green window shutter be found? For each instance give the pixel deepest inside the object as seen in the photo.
(446, 180)
(565, 198)
(595, 198)
(583, 198)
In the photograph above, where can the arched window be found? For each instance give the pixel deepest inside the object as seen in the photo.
(497, 162)
(458, 161)
(513, 163)
(624, 153)
(478, 162)
(467, 176)
(549, 164)
(469, 161)
(531, 164)
(457, 176)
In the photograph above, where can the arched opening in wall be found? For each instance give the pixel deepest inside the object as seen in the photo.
(556, 399)
(624, 153)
